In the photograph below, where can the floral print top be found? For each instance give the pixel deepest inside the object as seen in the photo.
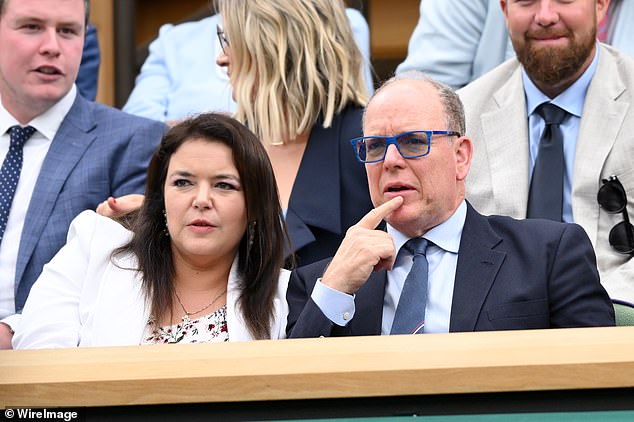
(205, 329)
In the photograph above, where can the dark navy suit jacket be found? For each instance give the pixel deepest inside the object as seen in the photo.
(330, 193)
(511, 275)
(97, 152)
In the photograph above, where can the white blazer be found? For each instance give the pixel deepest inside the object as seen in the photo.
(83, 299)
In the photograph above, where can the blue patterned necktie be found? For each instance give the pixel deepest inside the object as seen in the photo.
(546, 193)
(10, 172)
(410, 312)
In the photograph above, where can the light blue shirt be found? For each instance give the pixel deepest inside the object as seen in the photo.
(571, 100)
(442, 256)
(458, 57)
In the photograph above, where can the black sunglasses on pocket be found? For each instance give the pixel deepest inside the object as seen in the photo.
(613, 199)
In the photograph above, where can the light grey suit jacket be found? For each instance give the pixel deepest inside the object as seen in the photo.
(498, 181)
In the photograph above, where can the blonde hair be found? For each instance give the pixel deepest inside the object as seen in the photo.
(291, 61)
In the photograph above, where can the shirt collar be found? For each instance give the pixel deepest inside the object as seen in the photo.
(446, 235)
(46, 123)
(571, 99)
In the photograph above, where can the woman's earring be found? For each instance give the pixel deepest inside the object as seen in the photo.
(165, 230)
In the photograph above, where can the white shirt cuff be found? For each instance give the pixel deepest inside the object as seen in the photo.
(336, 306)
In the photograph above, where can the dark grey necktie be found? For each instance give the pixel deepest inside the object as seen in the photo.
(10, 171)
(546, 195)
(410, 312)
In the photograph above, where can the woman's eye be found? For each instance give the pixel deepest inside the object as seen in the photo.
(181, 183)
(225, 186)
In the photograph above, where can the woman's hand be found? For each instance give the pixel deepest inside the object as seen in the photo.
(119, 207)
(6, 334)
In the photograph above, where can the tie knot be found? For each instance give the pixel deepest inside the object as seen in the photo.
(416, 246)
(551, 113)
(19, 135)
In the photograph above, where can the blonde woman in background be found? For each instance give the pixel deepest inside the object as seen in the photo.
(297, 78)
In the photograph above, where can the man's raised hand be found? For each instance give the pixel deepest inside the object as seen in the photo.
(363, 250)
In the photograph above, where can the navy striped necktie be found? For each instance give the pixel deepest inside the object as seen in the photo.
(410, 312)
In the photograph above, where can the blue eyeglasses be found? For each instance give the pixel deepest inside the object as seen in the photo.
(372, 149)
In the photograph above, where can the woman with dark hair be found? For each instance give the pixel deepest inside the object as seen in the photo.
(200, 263)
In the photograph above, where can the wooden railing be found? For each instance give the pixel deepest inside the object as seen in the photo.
(538, 360)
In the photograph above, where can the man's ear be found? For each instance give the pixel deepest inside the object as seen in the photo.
(602, 9)
(464, 152)
(503, 5)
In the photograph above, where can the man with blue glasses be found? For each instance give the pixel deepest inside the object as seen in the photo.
(440, 266)
(414, 144)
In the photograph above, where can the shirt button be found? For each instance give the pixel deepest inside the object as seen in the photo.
(346, 316)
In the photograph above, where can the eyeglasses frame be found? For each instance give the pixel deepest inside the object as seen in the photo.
(391, 140)
(222, 39)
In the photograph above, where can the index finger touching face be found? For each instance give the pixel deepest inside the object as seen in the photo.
(376, 215)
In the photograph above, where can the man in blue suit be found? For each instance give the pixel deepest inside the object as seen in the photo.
(76, 153)
(440, 266)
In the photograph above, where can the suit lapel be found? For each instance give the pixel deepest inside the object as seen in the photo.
(315, 199)
(298, 230)
(369, 306)
(70, 143)
(506, 133)
(603, 116)
(478, 265)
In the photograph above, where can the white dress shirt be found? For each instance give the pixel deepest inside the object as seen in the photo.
(442, 256)
(35, 150)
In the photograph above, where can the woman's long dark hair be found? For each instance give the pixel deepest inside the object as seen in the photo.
(261, 253)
